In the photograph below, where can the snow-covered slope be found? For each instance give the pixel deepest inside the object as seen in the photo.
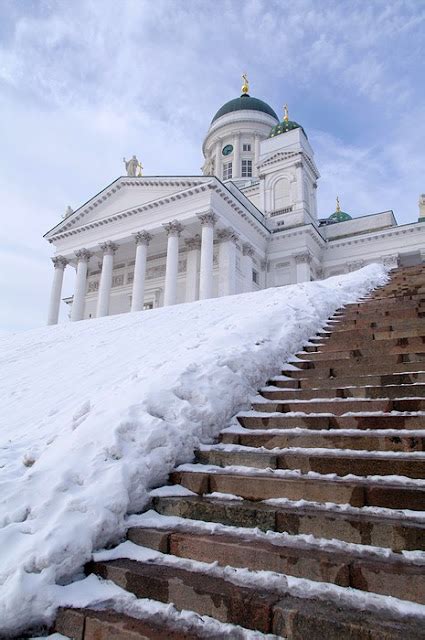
(96, 413)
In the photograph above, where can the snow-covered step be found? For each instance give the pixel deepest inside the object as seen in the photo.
(370, 392)
(392, 379)
(321, 370)
(368, 526)
(260, 484)
(266, 601)
(155, 623)
(355, 420)
(355, 439)
(386, 324)
(339, 406)
(410, 353)
(363, 568)
(205, 592)
(378, 342)
(324, 461)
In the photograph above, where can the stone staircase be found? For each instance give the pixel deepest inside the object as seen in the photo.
(312, 507)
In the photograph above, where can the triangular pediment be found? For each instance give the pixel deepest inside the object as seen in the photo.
(280, 156)
(125, 194)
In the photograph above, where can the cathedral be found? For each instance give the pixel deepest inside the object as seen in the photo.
(250, 221)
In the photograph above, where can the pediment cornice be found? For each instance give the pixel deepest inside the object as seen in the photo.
(280, 156)
(69, 224)
(74, 223)
(194, 186)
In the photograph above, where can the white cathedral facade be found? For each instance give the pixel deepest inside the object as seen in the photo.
(249, 222)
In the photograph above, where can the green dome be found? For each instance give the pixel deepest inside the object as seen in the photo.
(284, 126)
(339, 216)
(244, 102)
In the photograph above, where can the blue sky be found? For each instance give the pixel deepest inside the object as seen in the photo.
(84, 83)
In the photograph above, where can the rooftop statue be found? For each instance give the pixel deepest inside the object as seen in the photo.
(68, 212)
(133, 167)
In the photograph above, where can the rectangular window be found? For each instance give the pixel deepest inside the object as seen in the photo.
(246, 168)
(246, 147)
(255, 276)
(227, 170)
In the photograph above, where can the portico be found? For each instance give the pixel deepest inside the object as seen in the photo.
(249, 222)
(191, 257)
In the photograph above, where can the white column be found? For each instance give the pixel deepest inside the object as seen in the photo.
(227, 262)
(77, 311)
(300, 183)
(247, 265)
(193, 261)
(208, 221)
(218, 160)
(236, 169)
(173, 230)
(59, 263)
(256, 154)
(303, 271)
(105, 284)
(142, 242)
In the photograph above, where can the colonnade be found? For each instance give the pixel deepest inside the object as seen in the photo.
(199, 269)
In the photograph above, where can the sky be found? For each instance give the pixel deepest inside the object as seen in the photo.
(85, 83)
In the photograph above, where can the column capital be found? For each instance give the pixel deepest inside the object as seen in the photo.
(298, 164)
(223, 235)
(391, 261)
(143, 237)
(173, 228)
(304, 257)
(193, 243)
(248, 250)
(83, 255)
(357, 264)
(207, 218)
(59, 262)
(108, 248)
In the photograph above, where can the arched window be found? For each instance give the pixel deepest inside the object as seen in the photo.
(281, 194)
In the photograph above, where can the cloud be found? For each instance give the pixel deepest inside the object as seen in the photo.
(84, 83)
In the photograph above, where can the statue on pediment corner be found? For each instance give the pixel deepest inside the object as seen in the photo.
(69, 210)
(133, 167)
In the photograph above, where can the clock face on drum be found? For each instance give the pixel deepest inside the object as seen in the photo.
(227, 149)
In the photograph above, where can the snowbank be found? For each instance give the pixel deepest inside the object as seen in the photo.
(95, 414)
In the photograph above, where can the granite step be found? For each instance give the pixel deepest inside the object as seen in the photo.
(340, 406)
(274, 610)
(409, 352)
(321, 370)
(328, 439)
(335, 461)
(374, 339)
(366, 570)
(371, 392)
(385, 529)
(264, 420)
(255, 484)
(387, 380)
(366, 319)
(386, 324)
(90, 624)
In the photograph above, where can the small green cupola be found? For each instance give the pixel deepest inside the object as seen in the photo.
(338, 215)
(286, 125)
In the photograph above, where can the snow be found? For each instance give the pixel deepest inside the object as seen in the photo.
(95, 414)
(171, 491)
